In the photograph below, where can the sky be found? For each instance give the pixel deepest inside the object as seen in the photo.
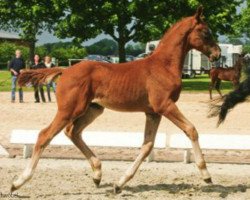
(46, 37)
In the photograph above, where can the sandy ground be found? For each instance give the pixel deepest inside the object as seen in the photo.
(30, 115)
(193, 105)
(72, 179)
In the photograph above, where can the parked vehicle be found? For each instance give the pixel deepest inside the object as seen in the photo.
(129, 58)
(113, 59)
(140, 56)
(229, 54)
(96, 57)
(195, 63)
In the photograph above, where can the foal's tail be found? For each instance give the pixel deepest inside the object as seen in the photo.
(230, 100)
(217, 84)
(39, 76)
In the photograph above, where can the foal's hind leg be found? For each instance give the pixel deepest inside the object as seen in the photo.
(70, 106)
(172, 113)
(74, 130)
(152, 123)
(45, 136)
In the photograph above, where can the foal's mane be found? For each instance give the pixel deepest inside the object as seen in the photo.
(175, 28)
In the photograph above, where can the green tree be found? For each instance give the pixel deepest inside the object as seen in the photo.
(52, 46)
(63, 54)
(135, 49)
(241, 26)
(30, 18)
(41, 51)
(61, 50)
(7, 51)
(103, 47)
(126, 20)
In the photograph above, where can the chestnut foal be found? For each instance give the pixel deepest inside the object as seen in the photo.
(232, 74)
(151, 85)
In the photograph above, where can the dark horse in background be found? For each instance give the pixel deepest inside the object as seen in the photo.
(233, 74)
(233, 98)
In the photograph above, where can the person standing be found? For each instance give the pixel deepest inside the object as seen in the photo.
(38, 65)
(15, 66)
(49, 64)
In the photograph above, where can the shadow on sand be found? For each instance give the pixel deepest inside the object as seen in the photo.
(223, 191)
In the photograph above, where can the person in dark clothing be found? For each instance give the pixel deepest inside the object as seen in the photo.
(15, 66)
(49, 64)
(38, 65)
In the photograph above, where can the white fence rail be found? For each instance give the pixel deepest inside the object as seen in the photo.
(92, 138)
(135, 139)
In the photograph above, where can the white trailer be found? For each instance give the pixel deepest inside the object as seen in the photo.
(197, 63)
(229, 54)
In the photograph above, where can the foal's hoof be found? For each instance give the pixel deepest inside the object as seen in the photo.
(97, 182)
(117, 189)
(208, 180)
(13, 188)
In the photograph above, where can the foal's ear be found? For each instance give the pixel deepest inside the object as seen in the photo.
(199, 13)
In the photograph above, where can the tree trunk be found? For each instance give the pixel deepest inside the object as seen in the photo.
(121, 39)
(32, 50)
(122, 51)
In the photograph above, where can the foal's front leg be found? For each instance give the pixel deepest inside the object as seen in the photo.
(173, 114)
(217, 87)
(210, 90)
(211, 86)
(152, 123)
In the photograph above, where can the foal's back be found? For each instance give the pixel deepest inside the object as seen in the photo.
(120, 87)
(226, 74)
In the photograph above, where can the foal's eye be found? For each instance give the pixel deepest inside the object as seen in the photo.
(206, 34)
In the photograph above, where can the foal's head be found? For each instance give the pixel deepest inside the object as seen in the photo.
(201, 37)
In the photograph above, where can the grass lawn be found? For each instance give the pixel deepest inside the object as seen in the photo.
(197, 84)
(5, 82)
(201, 83)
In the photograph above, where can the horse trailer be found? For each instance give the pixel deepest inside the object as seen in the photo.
(197, 63)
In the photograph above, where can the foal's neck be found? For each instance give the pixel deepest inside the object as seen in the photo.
(174, 46)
